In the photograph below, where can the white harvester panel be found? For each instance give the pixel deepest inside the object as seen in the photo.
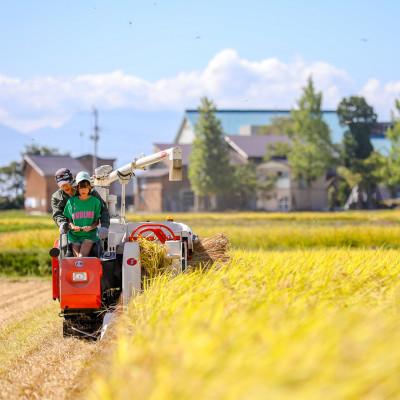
(131, 272)
(174, 252)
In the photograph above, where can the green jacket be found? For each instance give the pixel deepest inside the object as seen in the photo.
(59, 201)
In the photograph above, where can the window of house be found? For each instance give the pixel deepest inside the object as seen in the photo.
(31, 202)
(142, 183)
(283, 204)
(187, 197)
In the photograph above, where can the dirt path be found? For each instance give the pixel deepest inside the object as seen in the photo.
(35, 361)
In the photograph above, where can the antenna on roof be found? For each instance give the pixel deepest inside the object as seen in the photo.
(95, 137)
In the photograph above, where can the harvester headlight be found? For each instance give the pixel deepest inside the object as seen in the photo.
(79, 276)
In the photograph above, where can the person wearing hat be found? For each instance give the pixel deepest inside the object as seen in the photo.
(59, 200)
(83, 213)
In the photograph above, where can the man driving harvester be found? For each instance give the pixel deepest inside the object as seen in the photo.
(60, 198)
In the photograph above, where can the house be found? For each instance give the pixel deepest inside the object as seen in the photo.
(155, 193)
(39, 176)
(288, 194)
(243, 130)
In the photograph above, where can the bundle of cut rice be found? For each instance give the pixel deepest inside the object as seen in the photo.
(210, 250)
(206, 252)
(153, 257)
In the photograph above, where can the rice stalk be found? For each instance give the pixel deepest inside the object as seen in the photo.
(153, 257)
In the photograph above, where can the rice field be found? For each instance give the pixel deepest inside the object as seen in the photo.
(269, 325)
(307, 308)
(258, 231)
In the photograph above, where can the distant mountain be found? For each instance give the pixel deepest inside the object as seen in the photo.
(124, 134)
(12, 144)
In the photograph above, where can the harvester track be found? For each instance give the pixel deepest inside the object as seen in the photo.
(36, 362)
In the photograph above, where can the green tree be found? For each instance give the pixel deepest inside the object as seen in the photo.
(359, 118)
(281, 125)
(357, 156)
(390, 166)
(41, 150)
(12, 183)
(11, 186)
(210, 173)
(310, 154)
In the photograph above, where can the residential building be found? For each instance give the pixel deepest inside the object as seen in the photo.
(247, 141)
(39, 172)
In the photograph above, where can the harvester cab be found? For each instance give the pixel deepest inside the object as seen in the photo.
(90, 288)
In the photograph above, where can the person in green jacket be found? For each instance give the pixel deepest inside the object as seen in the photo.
(83, 213)
(59, 198)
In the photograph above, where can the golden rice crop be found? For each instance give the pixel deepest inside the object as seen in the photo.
(153, 258)
(245, 217)
(284, 325)
(31, 239)
(281, 236)
(285, 236)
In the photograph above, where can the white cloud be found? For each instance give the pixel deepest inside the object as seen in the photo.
(381, 96)
(230, 80)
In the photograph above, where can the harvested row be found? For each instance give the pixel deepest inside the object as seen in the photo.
(20, 297)
(35, 360)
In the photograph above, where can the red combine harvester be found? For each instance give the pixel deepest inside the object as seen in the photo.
(89, 288)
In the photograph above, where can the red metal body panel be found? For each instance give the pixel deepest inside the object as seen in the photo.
(85, 294)
(55, 274)
(161, 231)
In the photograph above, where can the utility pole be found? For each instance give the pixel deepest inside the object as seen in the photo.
(95, 137)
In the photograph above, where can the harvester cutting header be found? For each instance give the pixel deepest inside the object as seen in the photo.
(89, 288)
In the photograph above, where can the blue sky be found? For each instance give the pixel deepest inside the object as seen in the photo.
(155, 39)
(59, 58)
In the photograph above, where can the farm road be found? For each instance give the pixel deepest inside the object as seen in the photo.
(35, 361)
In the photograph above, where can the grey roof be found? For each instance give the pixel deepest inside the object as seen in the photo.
(254, 146)
(186, 150)
(48, 165)
(245, 146)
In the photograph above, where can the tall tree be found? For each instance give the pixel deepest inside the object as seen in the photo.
(310, 154)
(357, 154)
(210, 173)
(359, 118)
(390, 167)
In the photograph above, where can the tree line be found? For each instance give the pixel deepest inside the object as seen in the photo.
(355, 169)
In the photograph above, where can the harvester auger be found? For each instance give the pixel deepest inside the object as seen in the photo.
(89, 288)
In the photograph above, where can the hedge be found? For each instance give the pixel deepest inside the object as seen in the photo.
(23, 263)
